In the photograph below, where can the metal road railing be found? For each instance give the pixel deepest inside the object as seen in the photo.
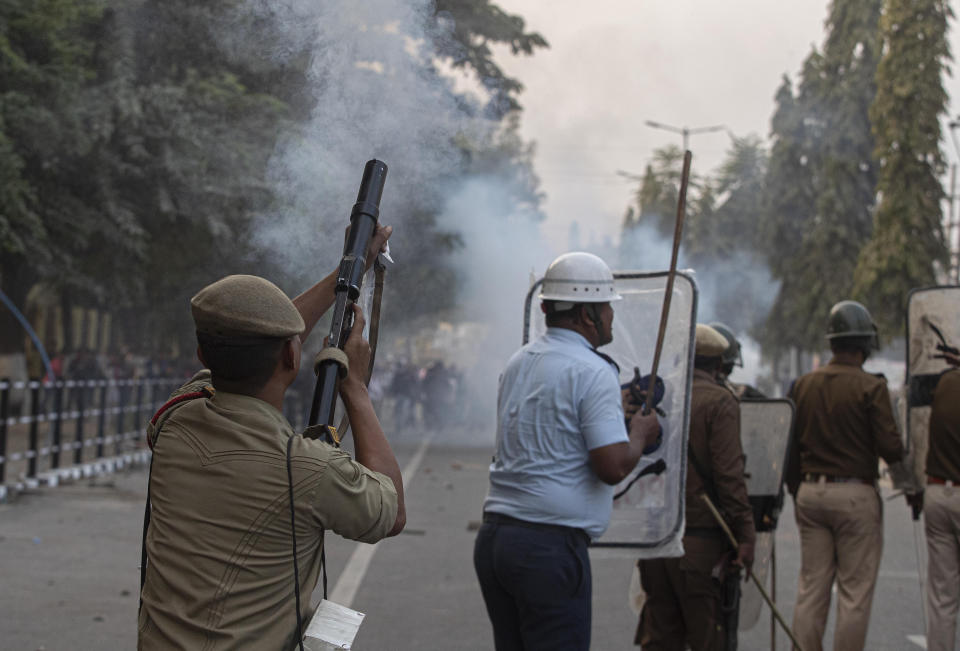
(51, 431)
(56, 429)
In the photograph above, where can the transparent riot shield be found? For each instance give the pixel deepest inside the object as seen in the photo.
(765, 430)
(933, 328)
(649, 515)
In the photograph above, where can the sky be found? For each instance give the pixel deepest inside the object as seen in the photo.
(612, 64)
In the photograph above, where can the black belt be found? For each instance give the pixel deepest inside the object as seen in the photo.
(500, 518)
(816, 477)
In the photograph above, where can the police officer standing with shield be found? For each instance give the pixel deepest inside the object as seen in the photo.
(228, 473)
(684, 595)
(561, 448)
(844, 421)
(941, 504)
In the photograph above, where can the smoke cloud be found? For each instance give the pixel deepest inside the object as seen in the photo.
(737, 291)
(503, 249)
(376, 92)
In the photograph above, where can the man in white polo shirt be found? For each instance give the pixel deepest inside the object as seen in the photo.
(561, 448)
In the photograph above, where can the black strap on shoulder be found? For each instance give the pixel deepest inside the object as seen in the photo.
(143, 540)
(608, 359)
(173, 403)
(296, 564)
(293, 537)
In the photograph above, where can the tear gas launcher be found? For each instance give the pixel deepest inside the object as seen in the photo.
(330, 363)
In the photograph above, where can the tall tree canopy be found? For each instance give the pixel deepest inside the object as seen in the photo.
(789, 206)
(476, 25)
(820, 189)
(908, 240)
(720, 238)
(136, 138)
(47, 52)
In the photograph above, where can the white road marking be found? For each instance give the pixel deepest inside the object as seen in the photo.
(919, 640)
(345, 591)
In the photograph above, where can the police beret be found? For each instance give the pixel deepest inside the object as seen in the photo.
(710, 343)
(245, 306)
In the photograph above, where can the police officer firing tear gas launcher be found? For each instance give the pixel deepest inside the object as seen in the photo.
(238, 503)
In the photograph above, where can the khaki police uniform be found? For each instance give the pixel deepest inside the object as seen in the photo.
(683, 594)
(220, 562)
(844, 421)
(942, 514)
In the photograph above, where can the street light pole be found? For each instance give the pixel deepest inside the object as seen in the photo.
(686, 132)
(953, 222)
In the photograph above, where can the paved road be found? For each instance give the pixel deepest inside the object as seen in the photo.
(69, 556)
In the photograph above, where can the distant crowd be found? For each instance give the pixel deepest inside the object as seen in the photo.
(408, 395)
(85, 364)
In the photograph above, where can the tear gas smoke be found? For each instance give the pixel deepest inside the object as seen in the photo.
(737, 290)
(502, 246)
(376, 92)
(374, 95)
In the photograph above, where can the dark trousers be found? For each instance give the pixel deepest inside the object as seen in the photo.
(536, 583)
(683, 599)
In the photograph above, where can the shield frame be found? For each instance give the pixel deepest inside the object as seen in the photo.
(751, 605)
(914, 418)
(911, 295)
(678, 525)
(790, 434)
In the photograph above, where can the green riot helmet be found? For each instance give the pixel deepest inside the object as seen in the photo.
(733, 355)
(851, 320)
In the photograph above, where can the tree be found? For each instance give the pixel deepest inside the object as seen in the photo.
(740, 185)
(908, 240)
(651, 217)
(466, 29)
(789, 205)
(718, 233)
(46, 57)
(822, 177)
(180, 162)
(847, 181)
(136, 141)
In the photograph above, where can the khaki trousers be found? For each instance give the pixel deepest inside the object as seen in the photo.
(942, 522)
(841, 539)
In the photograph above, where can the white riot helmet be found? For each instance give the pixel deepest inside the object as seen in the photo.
(578, 278)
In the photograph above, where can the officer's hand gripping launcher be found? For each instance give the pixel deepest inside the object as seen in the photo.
(353, 265)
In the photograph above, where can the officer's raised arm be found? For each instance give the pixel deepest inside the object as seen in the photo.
(314, 302)
(370, 444)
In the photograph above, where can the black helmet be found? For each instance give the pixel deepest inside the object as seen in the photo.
(851, 320)
(732, 355)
